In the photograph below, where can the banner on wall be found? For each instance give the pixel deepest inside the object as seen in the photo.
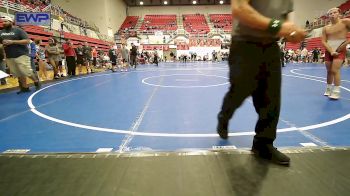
(33, 18)
(155, 47)
(205, 42)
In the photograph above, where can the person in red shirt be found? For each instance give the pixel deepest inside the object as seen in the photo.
(94, 54)
(69, 52)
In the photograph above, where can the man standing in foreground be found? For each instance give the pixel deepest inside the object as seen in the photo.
(15, 42)
(255, 68)
(335, 41)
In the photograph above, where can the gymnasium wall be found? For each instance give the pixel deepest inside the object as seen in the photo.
(179, 10)
(108, 15)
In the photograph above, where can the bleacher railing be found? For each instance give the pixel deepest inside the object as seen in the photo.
(16, 7)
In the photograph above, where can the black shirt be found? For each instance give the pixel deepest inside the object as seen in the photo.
(79, 52)
(87, 52)
(133, 50)
(14, 50)
(112, 55)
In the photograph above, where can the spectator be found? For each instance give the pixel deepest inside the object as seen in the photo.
(155, 57)
(80, 57)
(125, 57)
(307, 24)
(87, 51)
(315, 55)
(15, 42)
(94, 54)
(133, 54)
(32, 55)
(53, 54)
(69, 52)
(303, 55)
(112, 53)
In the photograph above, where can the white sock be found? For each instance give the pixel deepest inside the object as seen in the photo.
(329, 86)
(336, 88)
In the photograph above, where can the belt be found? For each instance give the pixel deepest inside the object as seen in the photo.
(255, 40)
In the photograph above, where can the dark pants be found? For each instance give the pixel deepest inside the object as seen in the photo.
(255, 70)
(133, 60)
(71, 65)
(32, 64)
(155, 61)
(94, 61)
(282, 59)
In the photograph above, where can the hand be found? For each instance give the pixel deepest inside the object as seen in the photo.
(334, 53)
(291, 32)
(7, 42)
(296, 36)
(286, 29)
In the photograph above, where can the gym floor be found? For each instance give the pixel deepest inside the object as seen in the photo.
(168, 108)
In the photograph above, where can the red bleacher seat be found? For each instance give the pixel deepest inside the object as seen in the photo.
(38, 32)
(129, 23)
(76, 39)
(222, 21)
(159, 23)
(195, 24)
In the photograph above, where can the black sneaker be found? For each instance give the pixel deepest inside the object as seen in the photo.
(37, 85)
(222, 129)
(23, 90)
(269, 152)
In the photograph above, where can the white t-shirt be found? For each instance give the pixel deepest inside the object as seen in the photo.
(304, 52)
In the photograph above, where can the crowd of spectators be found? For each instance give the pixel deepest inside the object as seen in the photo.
(303, 55)
(34, 3)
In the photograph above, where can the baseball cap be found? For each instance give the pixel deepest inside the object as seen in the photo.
(8, 18)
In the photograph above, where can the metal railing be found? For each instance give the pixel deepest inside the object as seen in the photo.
(9, 5)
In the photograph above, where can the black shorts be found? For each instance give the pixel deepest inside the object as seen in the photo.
(114, 61)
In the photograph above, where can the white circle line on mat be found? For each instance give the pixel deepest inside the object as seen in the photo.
(178, 135)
